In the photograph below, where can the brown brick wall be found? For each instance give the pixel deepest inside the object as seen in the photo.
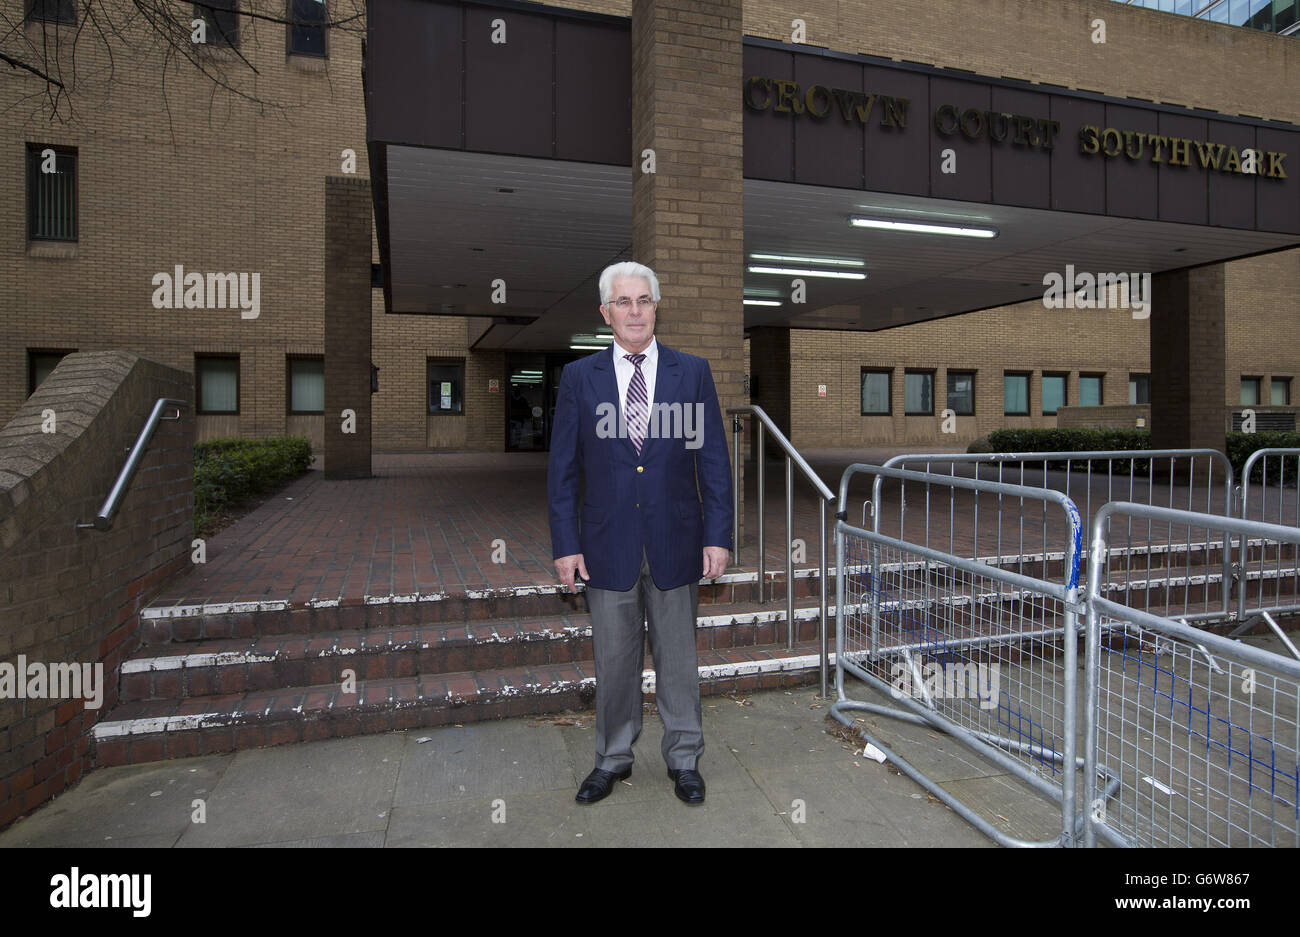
(347, 327)
(1023, 338)
(70, 595)
(233, 186)
(215, 183)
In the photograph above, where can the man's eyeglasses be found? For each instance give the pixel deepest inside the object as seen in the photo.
(644, 303)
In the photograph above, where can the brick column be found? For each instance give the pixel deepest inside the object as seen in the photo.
(347, 326)
(1187, 359)
(769, 362)
(687, 221)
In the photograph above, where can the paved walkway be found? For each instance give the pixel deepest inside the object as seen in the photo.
(427, 523)
(431, 522)
(442, 787)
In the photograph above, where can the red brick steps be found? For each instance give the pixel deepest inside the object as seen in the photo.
(150, 730)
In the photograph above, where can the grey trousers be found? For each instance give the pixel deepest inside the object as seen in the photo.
(618, 636)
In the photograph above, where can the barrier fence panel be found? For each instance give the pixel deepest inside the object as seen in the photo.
(1269, 573)
(974, 649)
(1193, 738)
(1179, 573)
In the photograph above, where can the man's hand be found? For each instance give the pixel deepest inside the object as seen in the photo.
(715, 561)
(565, 565)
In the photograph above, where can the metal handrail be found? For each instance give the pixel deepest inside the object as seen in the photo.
(104, 519)
(792, 458)
(1243, 502)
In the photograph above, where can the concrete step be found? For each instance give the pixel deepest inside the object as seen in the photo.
(166, 623)
(143, 731)
(267, 661)
(262, 660)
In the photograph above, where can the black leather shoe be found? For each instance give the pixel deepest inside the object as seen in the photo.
(688, 785)
(599, 784)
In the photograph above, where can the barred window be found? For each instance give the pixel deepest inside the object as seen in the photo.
(51, 193)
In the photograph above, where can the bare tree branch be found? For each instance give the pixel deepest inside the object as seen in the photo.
(145, 33)
(14, 63)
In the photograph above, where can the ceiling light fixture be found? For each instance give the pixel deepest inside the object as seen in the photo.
(922, 228)
(795, 272)
(808, 260)
(761, 302)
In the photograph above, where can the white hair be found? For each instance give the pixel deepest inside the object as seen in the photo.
(627, 268)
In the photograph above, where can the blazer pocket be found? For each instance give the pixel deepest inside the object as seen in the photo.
(592, 515)
(689, 510)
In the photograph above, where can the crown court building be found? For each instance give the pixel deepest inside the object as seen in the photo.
(885, 223)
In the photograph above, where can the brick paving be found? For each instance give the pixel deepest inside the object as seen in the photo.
(426, 524)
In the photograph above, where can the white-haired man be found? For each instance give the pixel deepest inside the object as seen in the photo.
(655, 514)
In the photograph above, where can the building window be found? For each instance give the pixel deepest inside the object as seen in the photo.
(961, 392)
(306, 385)
(40, 363)
(1250, 391)
(1053, 393)
(216, 383)
(446, 387)
(1090, 390)
(876, 389)
(51, 193)
(1139, 388)
(307, 32)
(1279, 391)
(918, 393)
(1015, 394)
(222, 19)
(52, 11)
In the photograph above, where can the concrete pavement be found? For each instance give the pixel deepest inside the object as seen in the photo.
(511, 783)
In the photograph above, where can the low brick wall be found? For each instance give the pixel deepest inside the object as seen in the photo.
(1125, 416)
(73, 596)
(1114, 416)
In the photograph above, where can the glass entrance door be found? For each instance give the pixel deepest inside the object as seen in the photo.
(525, 403)
(533, 386)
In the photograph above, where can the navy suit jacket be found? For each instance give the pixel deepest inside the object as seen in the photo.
(630, 502)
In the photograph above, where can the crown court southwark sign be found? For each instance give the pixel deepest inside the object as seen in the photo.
(890, 113)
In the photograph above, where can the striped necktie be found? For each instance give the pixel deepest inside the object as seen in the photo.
(637, 407)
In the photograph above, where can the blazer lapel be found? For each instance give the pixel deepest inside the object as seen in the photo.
(668, 379)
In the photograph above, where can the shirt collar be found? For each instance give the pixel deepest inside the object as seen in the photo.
(651, 352)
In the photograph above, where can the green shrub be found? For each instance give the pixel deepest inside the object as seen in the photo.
(227, 472)
(1239, 446)
(1076, 440)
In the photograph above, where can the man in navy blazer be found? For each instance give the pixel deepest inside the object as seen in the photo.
(640, 502)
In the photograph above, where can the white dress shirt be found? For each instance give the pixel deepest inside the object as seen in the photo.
(624, 369)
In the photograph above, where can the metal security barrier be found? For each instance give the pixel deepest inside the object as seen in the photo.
(1193, 738)
(980, 651)
(1268, 574)
(1189, 576)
